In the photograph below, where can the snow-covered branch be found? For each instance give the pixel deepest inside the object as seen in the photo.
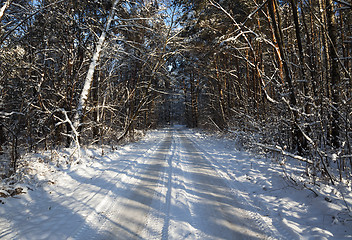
(283, 152)
(75, 135)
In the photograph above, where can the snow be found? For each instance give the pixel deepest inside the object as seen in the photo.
(174, 184)
(291, 210)
(94, 62)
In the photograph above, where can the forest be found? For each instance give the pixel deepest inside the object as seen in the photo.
(274, 73)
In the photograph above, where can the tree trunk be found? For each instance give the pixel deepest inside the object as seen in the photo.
(94, 62)
(326, 47)
(334, 74)
(301, 61)
(298, 37)
(2, 138)
(297, 137)
(3, 8)
(278, 35)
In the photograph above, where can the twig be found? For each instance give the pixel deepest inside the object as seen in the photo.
(254, 12)
(344, 3)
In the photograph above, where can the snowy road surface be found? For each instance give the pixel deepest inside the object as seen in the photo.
(175, 194)
(171, 185)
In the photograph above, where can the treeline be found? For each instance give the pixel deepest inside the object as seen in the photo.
(280, 70)
(79, 72)
(83, 72)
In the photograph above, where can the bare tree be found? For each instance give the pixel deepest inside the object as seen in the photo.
(95, 58)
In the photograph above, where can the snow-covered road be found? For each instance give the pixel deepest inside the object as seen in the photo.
(171, 185)
(175, 193)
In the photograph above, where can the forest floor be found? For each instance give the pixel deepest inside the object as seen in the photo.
(174, 184)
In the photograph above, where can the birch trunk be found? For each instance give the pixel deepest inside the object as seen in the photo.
(94, 62)
(3, 8)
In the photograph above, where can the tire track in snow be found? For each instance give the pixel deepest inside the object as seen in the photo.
(166, 210)
(103, 211)
(277, 230)
(182, 224)
(128, 216)
(159, 216)
(214, 211)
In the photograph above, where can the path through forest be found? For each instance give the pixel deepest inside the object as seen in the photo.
(175, 184)
(175, 193)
